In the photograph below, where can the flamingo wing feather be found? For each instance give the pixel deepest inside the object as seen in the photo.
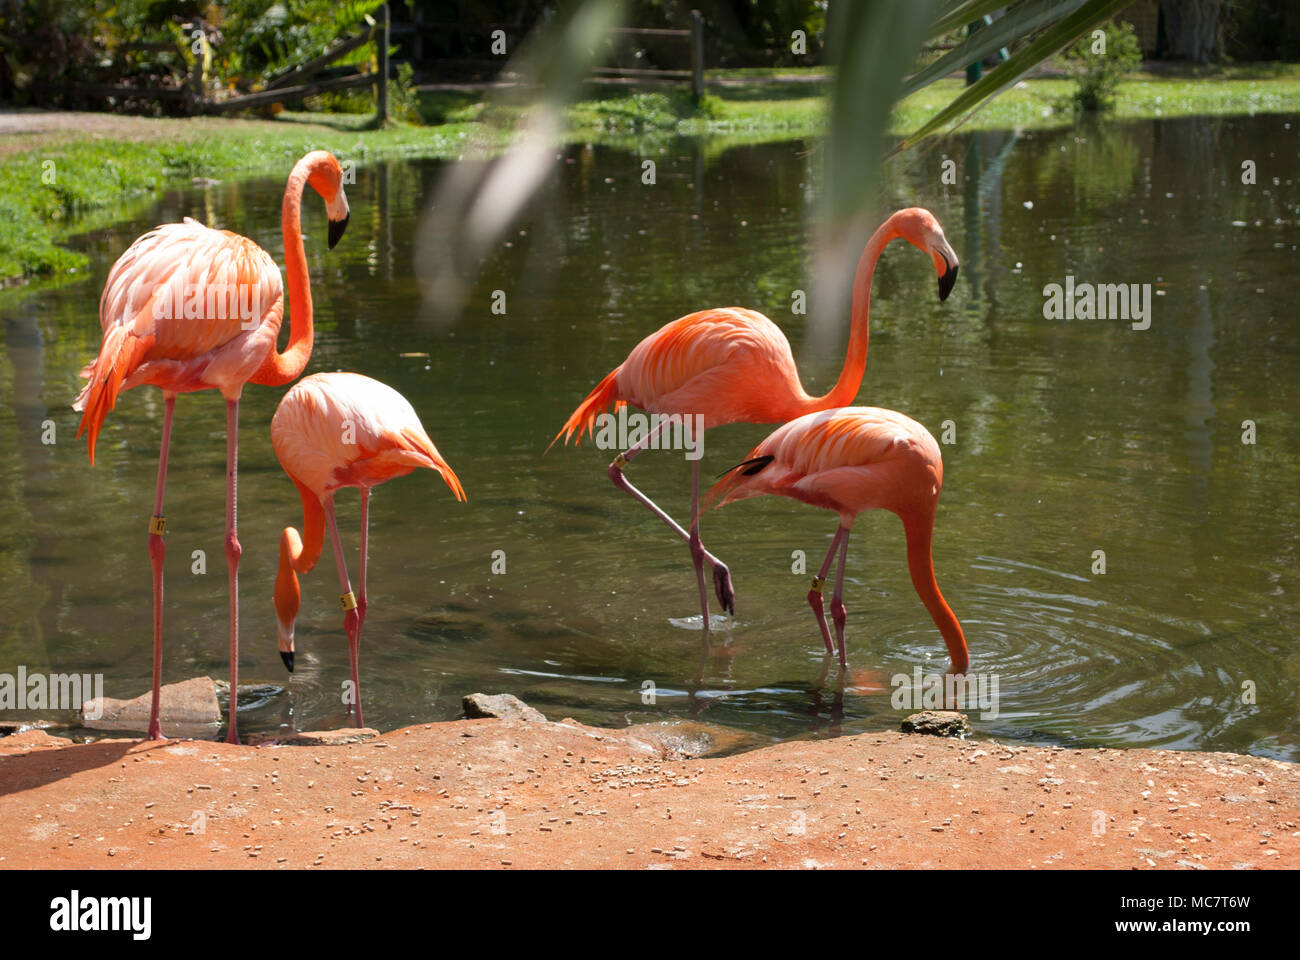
(185, 307)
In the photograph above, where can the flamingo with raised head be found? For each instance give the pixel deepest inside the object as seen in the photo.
(335, 430)
(851, 460)
(734, 365)
(189, 308)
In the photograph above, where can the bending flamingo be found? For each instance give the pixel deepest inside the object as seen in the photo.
(335, 430)
(734, 365)
(852, 460)
(189, 308)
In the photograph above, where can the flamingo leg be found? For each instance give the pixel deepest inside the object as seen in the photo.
(157, 550)
(351, 618)
(815, 599)
(697, 548)
(721, 574)
(838, 613)
(365, 540)
(233, 552)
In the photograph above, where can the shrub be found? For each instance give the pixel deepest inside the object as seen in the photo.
(1098, 74)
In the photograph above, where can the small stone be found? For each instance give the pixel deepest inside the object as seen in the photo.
(317, 738)
(503, 706)
(937, 723)
(186, 709)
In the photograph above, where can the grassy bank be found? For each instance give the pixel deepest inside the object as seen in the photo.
(792, 101)
(54, 177)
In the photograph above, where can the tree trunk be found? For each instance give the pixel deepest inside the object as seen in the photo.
(1194, 28)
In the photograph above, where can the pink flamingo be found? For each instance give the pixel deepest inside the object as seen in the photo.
(335, 430)
(189, 308)
(852, 460)
(734, 365)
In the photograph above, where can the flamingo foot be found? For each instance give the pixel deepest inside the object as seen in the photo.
(723, 588)
(839, 614)
(155, 731)
(696, 622)
(818, 604)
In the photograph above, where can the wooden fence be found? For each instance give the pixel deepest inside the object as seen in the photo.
(294, 84)
(414, 34)
(291, 85)
(299, 82)
(694, 37)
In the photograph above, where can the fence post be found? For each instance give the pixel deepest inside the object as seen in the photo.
(973, 70)
(697, 54)
(381, 98)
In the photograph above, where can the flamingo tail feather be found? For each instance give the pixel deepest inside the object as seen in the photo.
(121, 352)
(583, 420)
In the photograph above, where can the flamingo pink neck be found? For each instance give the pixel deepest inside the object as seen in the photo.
(846, 387)
(919, 527)
(281, 368)
(298, 555)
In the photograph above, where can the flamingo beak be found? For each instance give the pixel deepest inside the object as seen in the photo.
(336, 230)
(337, 211)
(286, 642)
(948, 278)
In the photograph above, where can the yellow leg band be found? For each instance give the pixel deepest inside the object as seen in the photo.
(818, 583)
(348, 600)
(158, 525)
(620, 461)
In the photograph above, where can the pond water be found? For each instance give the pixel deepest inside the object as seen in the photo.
(1071, 437)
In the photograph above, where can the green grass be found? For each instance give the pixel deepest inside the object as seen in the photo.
(102, 174)
(49, 184)
(799, 109)
(1036, 103)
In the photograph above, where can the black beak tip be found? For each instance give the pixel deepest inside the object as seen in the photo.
(947, 282)
(288, 659)
(336, 230)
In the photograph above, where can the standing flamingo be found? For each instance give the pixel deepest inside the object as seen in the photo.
(852, 460)
(734, 365)
(336, 430)
(189, 308)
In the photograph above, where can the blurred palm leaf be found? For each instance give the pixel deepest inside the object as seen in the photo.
(874, 43)
(479, 196)
(1003, 32)
(869, 72)
(1077, 19)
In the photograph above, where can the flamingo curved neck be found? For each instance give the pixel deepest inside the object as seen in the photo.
(919, 529)
(281, 368)
(846, 387)
(298, 555)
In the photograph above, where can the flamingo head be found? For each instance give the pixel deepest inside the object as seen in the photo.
(921, 228)
(325, 176)
(286, 643)
(284, 621)
(287, 596)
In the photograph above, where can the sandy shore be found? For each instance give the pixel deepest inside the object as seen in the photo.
(513, 793)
